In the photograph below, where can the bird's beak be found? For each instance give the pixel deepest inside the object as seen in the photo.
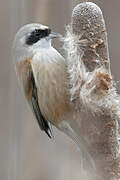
(54, 35)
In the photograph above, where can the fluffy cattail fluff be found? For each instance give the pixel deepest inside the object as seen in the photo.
(90, 86)
(76, 68)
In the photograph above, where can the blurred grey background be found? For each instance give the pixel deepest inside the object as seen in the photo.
(26, 153)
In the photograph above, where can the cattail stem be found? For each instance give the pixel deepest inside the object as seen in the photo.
(92, 88)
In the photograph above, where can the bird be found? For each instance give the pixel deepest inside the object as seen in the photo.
(45, 78)
(42, 74)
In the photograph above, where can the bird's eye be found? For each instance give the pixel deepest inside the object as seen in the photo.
(36, 35)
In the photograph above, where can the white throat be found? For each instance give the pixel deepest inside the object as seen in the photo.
(25, 52)
(42, 43)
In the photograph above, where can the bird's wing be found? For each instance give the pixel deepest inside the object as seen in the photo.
(26, 76)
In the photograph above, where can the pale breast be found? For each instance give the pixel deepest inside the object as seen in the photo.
(51, 81)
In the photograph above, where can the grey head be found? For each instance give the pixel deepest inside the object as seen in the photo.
(30, 38)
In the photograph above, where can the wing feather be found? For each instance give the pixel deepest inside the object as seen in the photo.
(26, 75)
(43, 123)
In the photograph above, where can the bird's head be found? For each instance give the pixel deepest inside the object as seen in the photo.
(30, 38)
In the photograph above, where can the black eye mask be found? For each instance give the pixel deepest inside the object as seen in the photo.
(36, 35)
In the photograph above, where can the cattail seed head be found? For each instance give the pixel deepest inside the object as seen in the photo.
(87, 19)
